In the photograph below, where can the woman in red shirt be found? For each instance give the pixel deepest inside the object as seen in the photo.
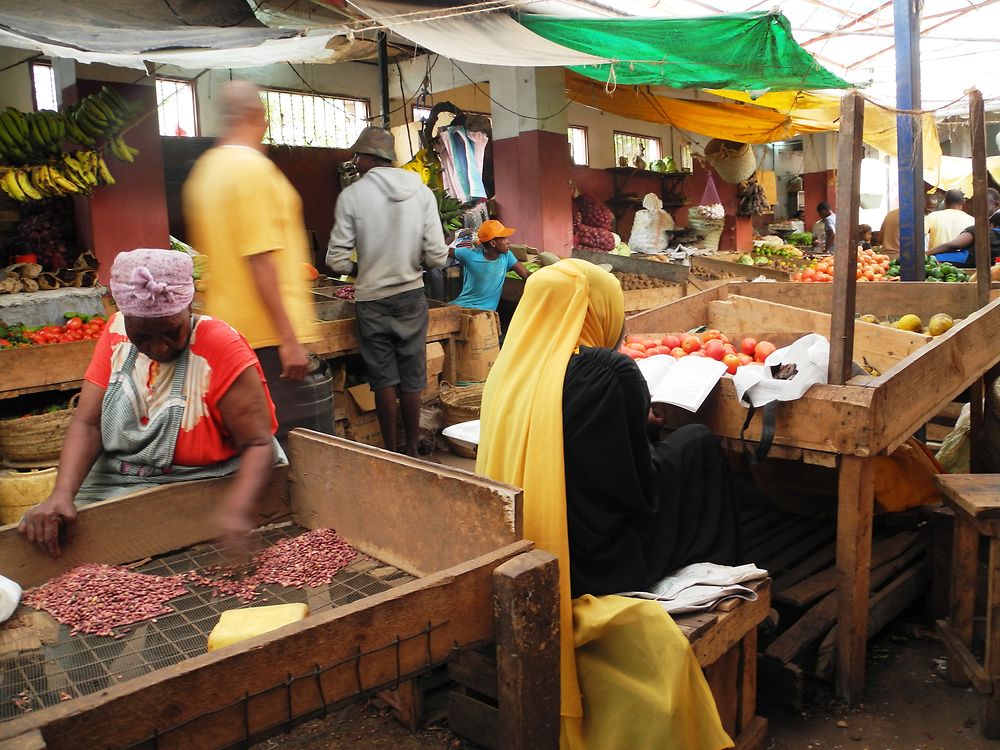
(168, 396)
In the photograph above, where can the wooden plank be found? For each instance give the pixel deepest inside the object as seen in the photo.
(881, 346)
(748, 680)
(475, 671)
(821, 617)
(724, 681)
(448, 515)
(781, 541)
(991, 661)
(886, 605)
(965, 661)
(41, 367)
(646, 299)
(882, 552)
(753, 736)
(952, 362)
(406, 702)
(454, 604)
(964, 563)
(976, 495)
(721, 266)
(849, 153)
(526, 620)
(855, 505)
(474, 720)
(339, 337)
(795, 551)
(682, 315)
(627, 264)
(28, 741)
(804, 569)
(694, 624)
(980, 182)
(133, 527)
(732, 626)
(780, 685)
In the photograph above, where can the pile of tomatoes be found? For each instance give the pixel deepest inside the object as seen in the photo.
(76, 328)
(871, 266)
(710, 343)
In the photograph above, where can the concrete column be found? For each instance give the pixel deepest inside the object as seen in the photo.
(531, 156)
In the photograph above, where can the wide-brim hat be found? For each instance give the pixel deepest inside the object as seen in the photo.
(377, 142)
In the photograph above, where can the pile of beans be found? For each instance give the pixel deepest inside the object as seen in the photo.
(96, 599)
(311, 559)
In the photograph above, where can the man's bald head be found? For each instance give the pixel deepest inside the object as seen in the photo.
(240, 105)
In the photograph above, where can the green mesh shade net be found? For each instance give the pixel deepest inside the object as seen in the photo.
(742, 51)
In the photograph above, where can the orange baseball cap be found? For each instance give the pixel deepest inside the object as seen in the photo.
(490, 230)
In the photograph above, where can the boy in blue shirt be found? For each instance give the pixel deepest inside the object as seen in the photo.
(485, 265)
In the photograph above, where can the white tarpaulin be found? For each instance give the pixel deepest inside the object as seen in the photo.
(483, 38)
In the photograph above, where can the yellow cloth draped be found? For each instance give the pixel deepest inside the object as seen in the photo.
(570, 304)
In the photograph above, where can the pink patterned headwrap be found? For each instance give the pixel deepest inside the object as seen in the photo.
(152, 283)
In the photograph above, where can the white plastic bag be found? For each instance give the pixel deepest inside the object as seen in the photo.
(650, 226)
(10, 595)
(811, 357)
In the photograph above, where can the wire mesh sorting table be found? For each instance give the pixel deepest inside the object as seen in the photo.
(42, 665)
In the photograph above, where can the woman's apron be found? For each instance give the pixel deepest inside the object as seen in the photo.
(138, 452)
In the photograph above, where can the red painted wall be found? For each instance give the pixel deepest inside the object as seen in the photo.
(819, 187)
(133, 212)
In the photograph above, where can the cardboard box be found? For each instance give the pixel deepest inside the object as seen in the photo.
(435, 366)
(477, 344)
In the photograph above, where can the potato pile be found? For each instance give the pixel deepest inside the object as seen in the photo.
(633, 281)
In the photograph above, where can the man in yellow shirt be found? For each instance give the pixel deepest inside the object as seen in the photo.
(949, 222)
(246, 217)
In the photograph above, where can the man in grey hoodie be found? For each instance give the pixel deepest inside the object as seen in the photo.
(390, 218)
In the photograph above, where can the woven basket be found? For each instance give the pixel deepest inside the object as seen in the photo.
(22, 490)
(35, 442)
(461, 403)
(710, 230)
(733, 162)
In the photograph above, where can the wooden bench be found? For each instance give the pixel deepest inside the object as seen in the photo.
(495, 711)
(975, 500)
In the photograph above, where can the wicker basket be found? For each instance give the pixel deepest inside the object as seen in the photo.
(35, 442)
(461, 403)
(23, 490)
(710, 231)
(733, 162)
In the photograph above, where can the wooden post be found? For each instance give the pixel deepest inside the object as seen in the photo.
(849, 152)
(991, 709)
(526, 621)
(855, 505)
(962, 602)
(977, 128)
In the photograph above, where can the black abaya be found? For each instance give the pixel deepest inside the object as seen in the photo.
(637, 510)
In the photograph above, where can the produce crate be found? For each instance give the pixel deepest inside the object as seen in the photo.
(844, 426)
(725, 265)
(437, 540)
(674, 272)
(52, 367)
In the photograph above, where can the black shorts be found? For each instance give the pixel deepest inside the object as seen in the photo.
(392, 335)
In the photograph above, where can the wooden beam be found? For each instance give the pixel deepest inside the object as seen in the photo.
(849, 153)
(980, 183)
(34, 367)
(29, 741)
(965, 661)
(732, 626)
(855, 506)
(432, 615)
(136, 526)
(526, 619)
(416, 515)
(909, 139)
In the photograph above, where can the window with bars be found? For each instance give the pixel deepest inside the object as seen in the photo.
(631, 145)
(421, 114)
(43, 86)
(176, 107)
(312, 120)
(578, 145)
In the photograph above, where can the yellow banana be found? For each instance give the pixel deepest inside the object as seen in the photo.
(62, 182)
(9, 184)
(24, 182)
(103, 172)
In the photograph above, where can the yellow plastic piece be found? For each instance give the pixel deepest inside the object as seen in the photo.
(237, 625)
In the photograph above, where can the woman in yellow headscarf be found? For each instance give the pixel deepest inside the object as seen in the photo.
(565, 418)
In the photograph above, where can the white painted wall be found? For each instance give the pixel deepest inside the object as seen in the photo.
(15, 84)
(601, 127)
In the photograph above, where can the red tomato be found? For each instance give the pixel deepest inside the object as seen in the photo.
(723, 338)
(745, 359)
(747, 346)
(763, 350)
(633, 337)
(651, 344)
(715, 349)
(98, 320)
(731, 361)
(671, 341)
(4, 343)
(677, 352)
(710, 334)
(634, 354)
(691, 344)
(730, 349)
(662, 350)
(74, 323)
(698, 353)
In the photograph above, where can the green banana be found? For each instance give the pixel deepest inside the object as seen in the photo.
(115, 99)
(16, 123)
(105, 111)
(74, 132)
(5, 135)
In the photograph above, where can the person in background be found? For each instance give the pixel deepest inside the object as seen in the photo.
(865, 236)
(169, 396)
(246, 217)
(888, 234)
(961, 251)
(825, 230)
(485, 265)
(390, 218)
(947, 223)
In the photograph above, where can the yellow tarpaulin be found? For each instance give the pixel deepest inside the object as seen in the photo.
(956, 172)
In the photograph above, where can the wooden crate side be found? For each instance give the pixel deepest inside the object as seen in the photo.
(682, 315)
(338, 337)
(453, 605)
(136, 526)
(882, 347)
(728, 265)
(918, 387)
(636, 264)
(637, 300)
(418, 516)
(33, 367)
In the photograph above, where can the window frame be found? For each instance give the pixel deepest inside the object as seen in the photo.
(652, 138)
(192, 83)
(339, 97)
(586, 145)
(31, 78)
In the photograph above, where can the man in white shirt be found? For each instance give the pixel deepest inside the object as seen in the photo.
(825, 230)
(949, 222)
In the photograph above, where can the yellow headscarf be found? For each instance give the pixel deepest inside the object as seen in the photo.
(642, 682)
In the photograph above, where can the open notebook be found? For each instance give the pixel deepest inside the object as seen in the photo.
(684, 382)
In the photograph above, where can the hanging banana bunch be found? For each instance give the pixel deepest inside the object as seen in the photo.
(33, 165)
(451, 212)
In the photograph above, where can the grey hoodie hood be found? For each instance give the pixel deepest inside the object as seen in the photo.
(397, 184)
